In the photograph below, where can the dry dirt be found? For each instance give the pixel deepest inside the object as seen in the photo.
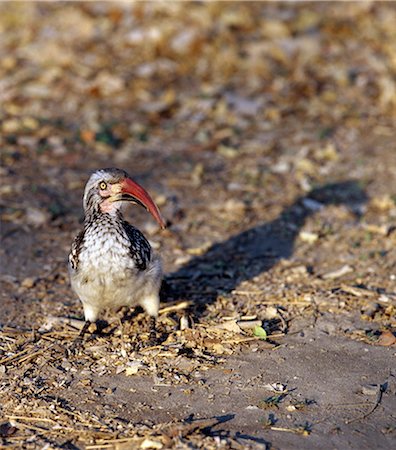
(266, 133)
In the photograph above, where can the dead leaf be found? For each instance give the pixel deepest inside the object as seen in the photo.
(386, 339)
(88, 136)
(249, 324)
(230, 325)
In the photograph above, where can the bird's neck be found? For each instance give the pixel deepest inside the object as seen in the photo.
(98, 215)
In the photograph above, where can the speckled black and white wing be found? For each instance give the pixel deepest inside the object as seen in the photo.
(139, 248)
(75, 251)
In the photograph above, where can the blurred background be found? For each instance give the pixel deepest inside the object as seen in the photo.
(266, 134)
(225, 112)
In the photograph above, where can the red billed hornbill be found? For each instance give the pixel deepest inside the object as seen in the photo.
(111, 263)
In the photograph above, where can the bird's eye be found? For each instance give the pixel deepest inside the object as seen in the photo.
(102, 185)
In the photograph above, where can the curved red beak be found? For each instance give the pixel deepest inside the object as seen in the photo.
(134, 192)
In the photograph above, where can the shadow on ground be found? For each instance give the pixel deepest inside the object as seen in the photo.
(248, 254)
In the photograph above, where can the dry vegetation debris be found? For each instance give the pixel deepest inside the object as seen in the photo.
(266, 133)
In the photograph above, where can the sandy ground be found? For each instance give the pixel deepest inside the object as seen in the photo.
(266, 134)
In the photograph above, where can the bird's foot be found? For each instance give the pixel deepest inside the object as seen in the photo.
(101, 326)
(153, 333)
(76, 344)
(153, 338)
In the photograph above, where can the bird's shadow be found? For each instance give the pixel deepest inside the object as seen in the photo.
(248, 254)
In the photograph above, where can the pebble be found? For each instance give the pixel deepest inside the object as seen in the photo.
(281, 167)
(37, 217)
(182, 260)
(154, 244)
(184, 324)
(149, 443)
(184, 41)
(151, 228)
(270, 313)
(370, 309)
(312, 205)
(28, 282)
(307, 236)
(161, 200)
(235, 206)
(228, 152)
(370, 389)
(9, 279)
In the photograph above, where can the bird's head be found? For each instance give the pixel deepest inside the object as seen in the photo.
(108, 189)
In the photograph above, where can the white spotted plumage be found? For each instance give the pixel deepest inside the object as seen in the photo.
(111, 263)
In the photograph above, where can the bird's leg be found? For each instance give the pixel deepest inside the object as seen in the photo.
(79, 339)
(84, 329)
(153, 330)
(123, 347)
(151, 305)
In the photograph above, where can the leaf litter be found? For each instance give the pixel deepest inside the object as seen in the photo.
(252, 105)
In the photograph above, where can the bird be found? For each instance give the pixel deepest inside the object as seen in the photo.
(111, 263)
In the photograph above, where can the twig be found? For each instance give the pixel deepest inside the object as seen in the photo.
(381, 390)
(11, 358)
(10, 330)
(53, 321)
(236, 291)
(272, 302)
(184, 429)
(177, 307)
(154, 347)
(240, 340)
(33, 355)
(31, 419)
(48, 338)
(346, 405)
(357, 292)
(290, 430)
(32, 427)
(277, 347)
(277, 335)
(7, 338)
(109, 443)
